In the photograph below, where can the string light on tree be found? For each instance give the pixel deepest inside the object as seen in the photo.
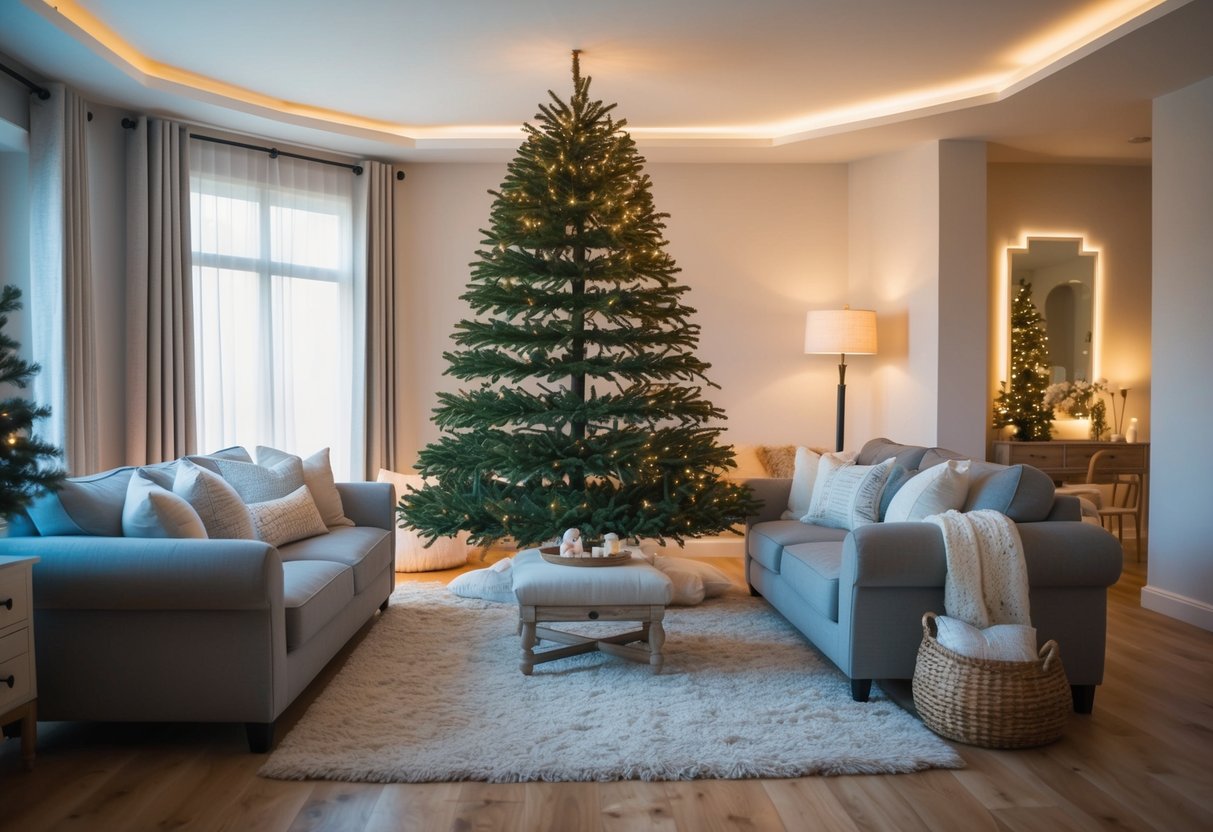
(1021, 403)
(581, 368)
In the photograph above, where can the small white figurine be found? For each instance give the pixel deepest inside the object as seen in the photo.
(570, 544)
(610, 544)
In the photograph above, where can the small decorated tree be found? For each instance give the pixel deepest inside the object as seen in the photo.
(1022, 402)
(25, 469)
(586, 408)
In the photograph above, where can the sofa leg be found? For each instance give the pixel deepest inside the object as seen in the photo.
(1084, 698)
(861, 689)
(260, 736)
(384, 605)
(753, 592)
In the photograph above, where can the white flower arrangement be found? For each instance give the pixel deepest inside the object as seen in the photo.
(1077, 397)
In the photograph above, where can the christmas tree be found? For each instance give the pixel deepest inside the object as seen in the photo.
(1022, 404)
(587, 410)
(23, 472)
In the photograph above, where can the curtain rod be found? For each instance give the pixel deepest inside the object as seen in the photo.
(274, 153)
(42, 92)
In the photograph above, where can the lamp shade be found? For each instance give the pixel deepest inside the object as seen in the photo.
(840, 331)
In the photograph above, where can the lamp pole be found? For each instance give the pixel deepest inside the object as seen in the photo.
(842, 401)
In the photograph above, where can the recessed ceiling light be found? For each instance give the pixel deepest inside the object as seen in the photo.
(1139, 140)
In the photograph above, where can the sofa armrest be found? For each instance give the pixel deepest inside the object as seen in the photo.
(126, 573)
(772, 493)
(1070, 553)
(369, 503)
(894, 555)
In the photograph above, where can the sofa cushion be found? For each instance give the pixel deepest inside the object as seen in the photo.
(152, 510)
(878, 450)
(314, 592)
(1023, 493)
(368, 550)
(217, 503)
(933, 490)
(846, 495)
(259, 483)
(766, 541)
(287, 519)
(812, 570)
(318, 476)
(83, 505)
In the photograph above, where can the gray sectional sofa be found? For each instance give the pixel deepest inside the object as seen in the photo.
(859, 596)
(181, 630)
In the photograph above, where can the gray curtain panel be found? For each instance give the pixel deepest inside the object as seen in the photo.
(60, 304)
(160, 422)
(381, 404)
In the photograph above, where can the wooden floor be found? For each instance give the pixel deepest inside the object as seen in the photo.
(1143, 760)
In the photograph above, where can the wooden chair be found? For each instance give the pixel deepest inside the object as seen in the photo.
(1125, 498)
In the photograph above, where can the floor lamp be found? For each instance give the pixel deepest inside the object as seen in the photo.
(840, 331)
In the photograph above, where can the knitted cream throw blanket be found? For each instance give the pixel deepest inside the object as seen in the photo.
(987, 580)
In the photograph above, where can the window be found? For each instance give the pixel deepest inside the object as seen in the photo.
(273, 273)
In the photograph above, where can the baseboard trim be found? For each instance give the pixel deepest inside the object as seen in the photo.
(1189, 610)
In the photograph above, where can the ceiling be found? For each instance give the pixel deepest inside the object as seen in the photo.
(697, 80)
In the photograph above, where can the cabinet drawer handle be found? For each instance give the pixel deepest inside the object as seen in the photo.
(10, 681)
(593, 615)
(7, 603)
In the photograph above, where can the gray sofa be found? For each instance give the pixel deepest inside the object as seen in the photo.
(183, 630)
(859, 596)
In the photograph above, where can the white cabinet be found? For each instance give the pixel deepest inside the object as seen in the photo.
(18, 682)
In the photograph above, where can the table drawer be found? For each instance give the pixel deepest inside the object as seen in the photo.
(1121, 458)
(16, 663)
(1038, 455)
(14, 594)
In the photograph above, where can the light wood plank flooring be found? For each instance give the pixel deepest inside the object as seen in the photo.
(1143, 760)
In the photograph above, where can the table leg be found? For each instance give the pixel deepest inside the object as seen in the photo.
(656, 639)
(528, 647)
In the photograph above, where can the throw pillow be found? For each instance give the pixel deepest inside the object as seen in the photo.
(1001, 642)
(318, 476)
(804, 476)
(259, 483)
(222, 511)
(938, 489)
(496, 583)
(715, 583)
(898, 477)
(779, 461)
(688, 586)
(286, 519)
(846, 495)
(207, 461)
(152, 510)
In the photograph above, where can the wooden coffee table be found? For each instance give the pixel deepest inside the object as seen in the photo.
(549, 593)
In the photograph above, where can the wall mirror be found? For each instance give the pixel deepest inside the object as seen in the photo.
(1062, 274)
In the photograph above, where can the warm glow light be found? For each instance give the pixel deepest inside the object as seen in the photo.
(1028, 62)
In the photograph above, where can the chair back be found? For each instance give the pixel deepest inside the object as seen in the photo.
(1103, 471)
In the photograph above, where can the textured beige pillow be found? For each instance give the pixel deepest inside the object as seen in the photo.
(289, 518)
(318, 477)
(151, 510)
(222, 511)
(778, 460)
(259, 483)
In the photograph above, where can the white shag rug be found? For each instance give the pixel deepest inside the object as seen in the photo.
(434, 693)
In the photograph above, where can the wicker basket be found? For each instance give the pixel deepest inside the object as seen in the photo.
(993, 704)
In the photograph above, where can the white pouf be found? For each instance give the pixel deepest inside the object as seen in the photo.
(412, 555)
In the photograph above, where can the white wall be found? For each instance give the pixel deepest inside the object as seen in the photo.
(1180, 580)
(894, 269)
(1109, 207)
(758, 245)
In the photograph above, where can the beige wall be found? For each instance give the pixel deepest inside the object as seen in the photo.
(757, 244)
(1109, 207)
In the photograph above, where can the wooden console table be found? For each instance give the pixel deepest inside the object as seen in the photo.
(1066, 460)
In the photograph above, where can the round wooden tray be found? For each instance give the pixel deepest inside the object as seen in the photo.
(552, 555)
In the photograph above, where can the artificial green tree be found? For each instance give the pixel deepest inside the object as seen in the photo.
(1022, 402)
(587, 407)
(25, 461)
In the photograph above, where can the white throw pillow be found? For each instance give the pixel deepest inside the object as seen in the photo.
(318, 476)
(151, 510)
(496, 583)
(804, 474)
(286, 519)
(222, 511)
(846, 495)
(688, 586)
(259, 483)
(1002, 642)
(715, 583)
(938, 489)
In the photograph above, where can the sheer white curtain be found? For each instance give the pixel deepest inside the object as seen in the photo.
(276, 307)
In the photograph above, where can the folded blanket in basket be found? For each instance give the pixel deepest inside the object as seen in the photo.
(987, 580)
